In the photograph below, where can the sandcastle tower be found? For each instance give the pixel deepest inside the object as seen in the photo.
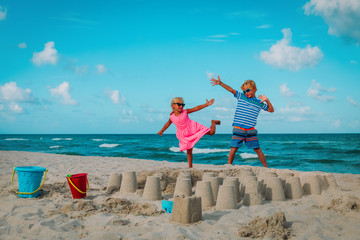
(252, 195)
(293, 189)
(129, 182)
(215, 184)
(114, 183)
(186, 209)
(311, 184)
(203, 190)
(152, 189)
(283, 176)
(243, 181)
(234, 182)
(183, 187)
(226, 198)
(274, 189)
(207, 175)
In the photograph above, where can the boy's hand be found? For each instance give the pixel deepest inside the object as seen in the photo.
(263, 98)
(211, 102)
(160, 133)
(215, 81)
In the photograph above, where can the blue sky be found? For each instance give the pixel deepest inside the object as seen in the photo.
(114, 66)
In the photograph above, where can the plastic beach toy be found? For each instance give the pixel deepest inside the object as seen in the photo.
(29, 178)
(167, 206)
(78, 184)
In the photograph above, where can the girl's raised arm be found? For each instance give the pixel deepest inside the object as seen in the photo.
(167, 124)
(199, 107)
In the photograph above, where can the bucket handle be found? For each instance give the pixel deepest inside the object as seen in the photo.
(12, 183)
(87, 184)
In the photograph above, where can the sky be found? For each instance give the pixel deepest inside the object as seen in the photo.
(95, 67)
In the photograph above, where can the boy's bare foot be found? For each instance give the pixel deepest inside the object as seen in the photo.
(216, 122)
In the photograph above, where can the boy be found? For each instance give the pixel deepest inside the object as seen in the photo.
(246, 113)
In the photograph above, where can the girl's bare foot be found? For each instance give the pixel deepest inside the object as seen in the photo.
(216, 122)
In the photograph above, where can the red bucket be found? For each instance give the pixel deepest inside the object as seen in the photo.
(78, 184)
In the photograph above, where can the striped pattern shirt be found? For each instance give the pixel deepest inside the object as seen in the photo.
(247, 110)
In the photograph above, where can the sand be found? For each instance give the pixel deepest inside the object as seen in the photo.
(332, 213)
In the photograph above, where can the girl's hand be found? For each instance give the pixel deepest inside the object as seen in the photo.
(263, 98)
(160, 133)
(211, 102)
(215, 81)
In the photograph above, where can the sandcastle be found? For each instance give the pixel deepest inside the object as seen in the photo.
(186, 209)
(224, 192)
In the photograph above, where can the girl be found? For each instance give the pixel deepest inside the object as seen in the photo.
(188, 131)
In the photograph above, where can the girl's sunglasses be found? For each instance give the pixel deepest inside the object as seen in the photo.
(180, 104)
(247, 90)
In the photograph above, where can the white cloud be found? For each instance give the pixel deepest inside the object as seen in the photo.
(128, 116)
(210, 74)
(342, 16)
(216, 38)
(295, 112)
(284, 56)
(81, 70)
(115, 96)
(285, 91)
(62, 91)
(14, 107)
(12, 94)
(317, 91)
(2, 13)
(353, 62)
(22, 45)
(353, 102)
(101, 69)
(264, 26)
(47, 56)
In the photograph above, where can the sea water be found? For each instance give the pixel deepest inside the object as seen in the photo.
(305, 152)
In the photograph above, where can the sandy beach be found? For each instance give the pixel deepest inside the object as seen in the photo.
(332, 213)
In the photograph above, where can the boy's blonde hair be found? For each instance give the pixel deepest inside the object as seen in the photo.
(177, 100)
(248, 84)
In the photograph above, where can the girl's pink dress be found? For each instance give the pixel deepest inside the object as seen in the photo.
(188, 131)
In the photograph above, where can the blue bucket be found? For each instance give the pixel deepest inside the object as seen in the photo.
(167, 206)
(29, 178)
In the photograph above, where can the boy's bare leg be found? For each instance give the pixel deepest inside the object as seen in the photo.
(232, 152)
(213, 127)
(261, 156)
(189, 157)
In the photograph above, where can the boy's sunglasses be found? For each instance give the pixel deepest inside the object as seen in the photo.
(180, 104)
(247, 90)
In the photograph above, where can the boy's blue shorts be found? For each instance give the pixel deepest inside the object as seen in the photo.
(248, 136)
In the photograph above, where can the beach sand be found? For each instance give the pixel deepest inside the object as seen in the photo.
(332, 214)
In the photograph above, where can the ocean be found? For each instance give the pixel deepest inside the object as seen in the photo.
(305, 152)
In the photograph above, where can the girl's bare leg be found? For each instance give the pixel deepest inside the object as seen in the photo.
(190, 157)
(213, 127)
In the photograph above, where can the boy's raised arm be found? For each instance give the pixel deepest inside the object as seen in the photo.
(219, 82)
(265, 99)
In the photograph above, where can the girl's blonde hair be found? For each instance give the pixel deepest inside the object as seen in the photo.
(248, 84)
(177, 100)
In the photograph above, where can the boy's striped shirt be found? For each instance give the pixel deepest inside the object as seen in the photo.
(247, 110)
